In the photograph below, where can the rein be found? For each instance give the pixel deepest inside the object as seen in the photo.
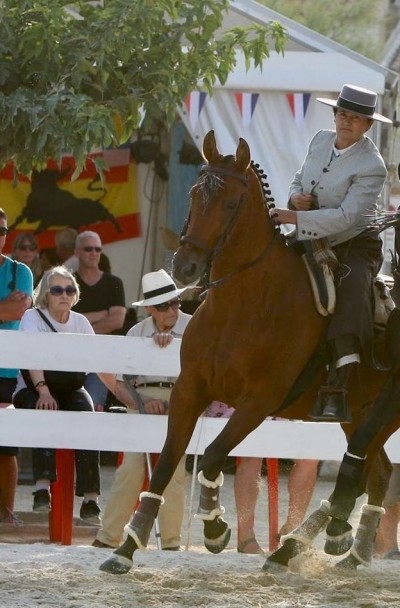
(215, 251)
(246, 266)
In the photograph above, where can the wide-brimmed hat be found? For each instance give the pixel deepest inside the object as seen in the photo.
(357, 100)
(158, 287)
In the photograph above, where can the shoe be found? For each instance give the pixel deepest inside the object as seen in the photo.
(90, 513)
(97, 543)
(41, 501)
(177, 548)
(250, 546)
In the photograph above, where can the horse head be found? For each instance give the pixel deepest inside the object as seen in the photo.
(217, 208)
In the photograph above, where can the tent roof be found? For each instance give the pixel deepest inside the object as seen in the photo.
(311, 61)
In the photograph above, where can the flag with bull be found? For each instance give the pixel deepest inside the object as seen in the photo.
(50, 201)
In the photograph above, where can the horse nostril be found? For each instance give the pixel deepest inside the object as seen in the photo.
(191, 270)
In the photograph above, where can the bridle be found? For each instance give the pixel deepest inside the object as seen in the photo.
(214, 252)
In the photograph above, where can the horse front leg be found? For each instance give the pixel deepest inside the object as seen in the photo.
(181, 423)
(217, 532)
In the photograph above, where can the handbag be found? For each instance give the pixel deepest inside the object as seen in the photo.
(57, 381)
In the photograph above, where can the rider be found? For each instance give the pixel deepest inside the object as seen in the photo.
(330, 198)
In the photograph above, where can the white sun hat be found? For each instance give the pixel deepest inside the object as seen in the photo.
(158, 287)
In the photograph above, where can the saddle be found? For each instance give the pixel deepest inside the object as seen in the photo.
(324, 291)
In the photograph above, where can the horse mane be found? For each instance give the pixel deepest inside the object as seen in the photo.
(262, 176)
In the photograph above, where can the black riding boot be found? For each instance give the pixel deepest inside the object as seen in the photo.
(331, 404)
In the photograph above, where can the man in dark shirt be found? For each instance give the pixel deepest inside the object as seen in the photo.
(102, 300)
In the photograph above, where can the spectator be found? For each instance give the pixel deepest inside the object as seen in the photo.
(37, 389)
(25, 250)
(65, 248)
(164, 323)
(102, 300)
(15, 297)
(247, 486)
(48, 258)
(386, 544)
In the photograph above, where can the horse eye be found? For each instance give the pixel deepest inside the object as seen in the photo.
(231, 205)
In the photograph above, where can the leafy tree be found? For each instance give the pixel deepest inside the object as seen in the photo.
(352, 23)
(74, 77)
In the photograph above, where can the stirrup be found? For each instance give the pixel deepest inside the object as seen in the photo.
(331, 405)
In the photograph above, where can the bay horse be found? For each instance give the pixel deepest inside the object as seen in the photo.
(246, 345)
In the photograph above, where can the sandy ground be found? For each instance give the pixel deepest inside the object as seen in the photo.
(46, 575)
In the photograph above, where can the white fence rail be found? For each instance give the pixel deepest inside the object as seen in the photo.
(140, 433)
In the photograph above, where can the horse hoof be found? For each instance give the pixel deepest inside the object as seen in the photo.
(118, 564)
(279, 559)
(348, 564)
(216, 545)
(338, 545)
(274, 567)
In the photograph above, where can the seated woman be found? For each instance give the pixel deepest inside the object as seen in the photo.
(56, 293)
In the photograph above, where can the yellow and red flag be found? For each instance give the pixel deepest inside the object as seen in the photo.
(49, 201)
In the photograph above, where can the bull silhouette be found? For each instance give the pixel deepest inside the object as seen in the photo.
(51, 206)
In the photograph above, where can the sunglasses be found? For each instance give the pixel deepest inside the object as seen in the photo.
(27, 247)
(174, 304)
(89, 249)
(3, 231)
(57, 290)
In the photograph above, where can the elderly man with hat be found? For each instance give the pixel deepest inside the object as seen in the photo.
(330, 200)
(150, 395)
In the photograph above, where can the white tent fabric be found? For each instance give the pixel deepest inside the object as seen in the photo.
(278, 133)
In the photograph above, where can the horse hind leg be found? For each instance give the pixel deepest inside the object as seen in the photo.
(216, 530)
(299, 540)
(362, 548)
(350, 484)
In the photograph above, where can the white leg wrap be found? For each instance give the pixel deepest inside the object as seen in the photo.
(151, 495)
(210, 515)
(132, 533)
(365, 508)
(211, 484)
(362, 548)
(308, 530)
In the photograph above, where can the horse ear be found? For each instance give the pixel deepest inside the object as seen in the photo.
(243, 155)
(210, 150)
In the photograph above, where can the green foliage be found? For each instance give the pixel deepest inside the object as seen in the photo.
(74, 77)
(352, 23)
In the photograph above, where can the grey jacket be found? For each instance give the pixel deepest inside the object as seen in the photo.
(346, 188)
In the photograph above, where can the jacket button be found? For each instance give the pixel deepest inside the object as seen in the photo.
(313, 182)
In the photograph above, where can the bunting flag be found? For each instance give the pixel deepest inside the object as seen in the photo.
(49, 201)
(298, 103)
(247, 104)
(194, 103)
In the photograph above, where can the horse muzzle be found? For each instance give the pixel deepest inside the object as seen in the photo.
(188, 264)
